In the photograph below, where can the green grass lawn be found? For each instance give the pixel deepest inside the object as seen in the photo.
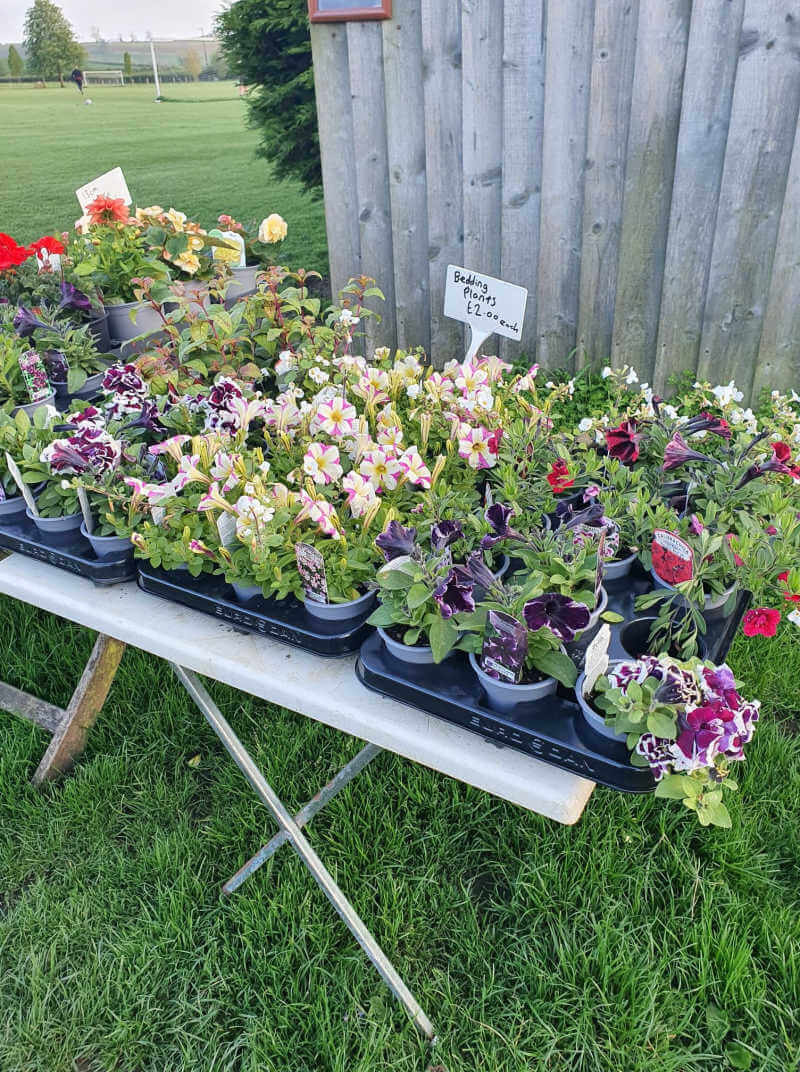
(192, 152)
(631, 942)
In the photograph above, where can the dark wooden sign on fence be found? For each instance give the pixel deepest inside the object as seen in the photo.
(348, 10)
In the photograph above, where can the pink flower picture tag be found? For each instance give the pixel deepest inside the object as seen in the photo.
(311, 567)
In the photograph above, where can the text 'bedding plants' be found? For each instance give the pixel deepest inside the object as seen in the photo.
(479, 509)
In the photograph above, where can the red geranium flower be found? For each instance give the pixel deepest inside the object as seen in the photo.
(761, 622)
(48, 244)
(11, 252)
(623, 442)
(558, 478)
(107, 210)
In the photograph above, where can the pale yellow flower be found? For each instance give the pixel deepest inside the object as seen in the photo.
(187, 262)
(226, 254)
(273, 229)
(177, 219)
(152, 211)
(195, 242)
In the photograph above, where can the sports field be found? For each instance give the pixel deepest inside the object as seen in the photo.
(631, 942)
(192, 151)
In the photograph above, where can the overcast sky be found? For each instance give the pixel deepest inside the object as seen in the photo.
(176, 18)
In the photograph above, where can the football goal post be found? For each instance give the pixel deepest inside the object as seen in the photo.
(103, 78)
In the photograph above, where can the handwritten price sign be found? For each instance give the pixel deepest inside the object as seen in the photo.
(490, 306)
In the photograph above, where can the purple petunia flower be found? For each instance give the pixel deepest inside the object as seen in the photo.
(396, 540)
(72, 298)
(498, 516)
(445, 533)
(124, 379)
(454, 596)
(26, 322)
(149, 418)
(677, 452)
(475, 571)
(560, 614)
(88, 450)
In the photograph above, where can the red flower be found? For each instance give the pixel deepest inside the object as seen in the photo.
(48, 244)
(737, 558)
(788, 595)
(11, 252)
(494, 440)
(107, 210)
(623, 442)
(782, 452)
(761, 622)
(558, 478)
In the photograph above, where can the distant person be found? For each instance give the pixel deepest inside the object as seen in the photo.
(77, 78)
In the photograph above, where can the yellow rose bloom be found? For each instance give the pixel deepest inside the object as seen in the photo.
(177, 219)
(273, 229)
(187, 262)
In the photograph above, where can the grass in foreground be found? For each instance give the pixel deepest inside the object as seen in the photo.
(630, 942)
(192, 152)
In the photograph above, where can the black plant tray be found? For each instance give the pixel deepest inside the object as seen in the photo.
(286, 620)
(75, 557)
(551, 729)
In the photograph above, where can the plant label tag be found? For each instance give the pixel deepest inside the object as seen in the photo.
(598, 578)
(488, 498)
(233, 239)
(488, 305)
(673, 558)
(596, 661)
(48, 262)
(311, 567)
(24, 490)
(226, 527)
(158, 513)
(505, 646)
(111, 184)
(86, 510)
(35, 376)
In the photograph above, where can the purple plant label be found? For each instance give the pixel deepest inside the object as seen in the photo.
(35, 376)
(505, 646)
(311, 567)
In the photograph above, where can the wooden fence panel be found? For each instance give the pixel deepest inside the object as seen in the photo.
(652, 138)
(711, 61)
(760, 140)
(568, 44)
(523, 121)
(408, 197)
(365, 52)
(613, 52)
(441, 45)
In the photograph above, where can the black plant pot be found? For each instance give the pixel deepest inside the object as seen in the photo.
(98, 328)
(634, 637)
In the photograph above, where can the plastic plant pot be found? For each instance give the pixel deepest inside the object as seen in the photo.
(504, 696)
(12, 510)
(712, 605)
(107, 546)
(31, 407)
(98, 328)
(594, 617)
(594, 719)
(634, 637)
(418, 655)
(57, 530)
(246, 593)
(341, 612)
(620, 567)
(121, 327)
(243, 281)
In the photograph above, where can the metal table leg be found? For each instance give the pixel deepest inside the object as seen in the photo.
(305, 815)
(302, 847)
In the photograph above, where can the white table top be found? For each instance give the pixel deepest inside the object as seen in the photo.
(323, 689)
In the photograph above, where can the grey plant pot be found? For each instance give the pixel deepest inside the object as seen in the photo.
(341, 612)
(120, 326)
(712, 605)
(12, 509)
(98, 327)
(504, 696)
(31, 407)
(594, 617)
(57, 530)
(91, 387)
(107, 546)
(243, 282)
(406, 653)
(193, 289)
(621, 567)
(594, 718)
(246, 593)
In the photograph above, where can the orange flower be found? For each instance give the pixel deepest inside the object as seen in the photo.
(107, 210)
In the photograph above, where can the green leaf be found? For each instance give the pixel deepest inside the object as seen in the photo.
(443, 635)
(718, 815)
(612, 616)
(660, 724)
(417, 595)
(671, 787)
(738, 1055)
(394, 579)
(382, 616)
(558, 665)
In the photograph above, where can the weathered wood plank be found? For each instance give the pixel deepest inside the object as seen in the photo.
(335, 124)
(523, 125)
(711, 60)
(29, 707)
(760, 139)
(405, 132)
(778, 365)
(613, 53)
(482, 137)
(441, 44)
(568, 50)
(652, 138)
(365, 53)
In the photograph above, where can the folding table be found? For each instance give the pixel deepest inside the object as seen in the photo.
(326, 690)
